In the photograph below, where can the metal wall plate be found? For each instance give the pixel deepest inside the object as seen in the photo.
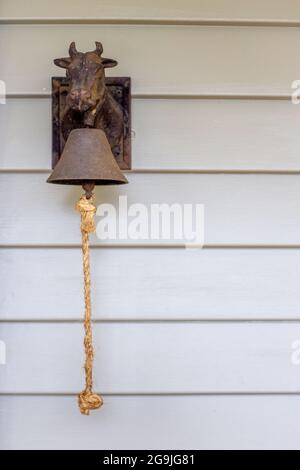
(120, 89)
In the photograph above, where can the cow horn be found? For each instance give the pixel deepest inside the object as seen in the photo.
(99, 48)
(72, 50)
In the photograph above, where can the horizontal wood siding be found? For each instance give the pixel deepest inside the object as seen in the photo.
(173, 134)
(164, 9)
(129, 284)
(239, 209)
(160, 59)
(156, 422)
(153, 358)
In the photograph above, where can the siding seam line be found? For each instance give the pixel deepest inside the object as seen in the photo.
(148, 21)
(151, 321)
(173, 96)
(154, 394)
(166, 171)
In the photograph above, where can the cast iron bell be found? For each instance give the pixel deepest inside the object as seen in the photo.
(87, 159)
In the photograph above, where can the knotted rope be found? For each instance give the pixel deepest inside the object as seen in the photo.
(87, 399)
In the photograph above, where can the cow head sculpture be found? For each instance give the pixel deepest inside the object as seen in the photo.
(86, 73)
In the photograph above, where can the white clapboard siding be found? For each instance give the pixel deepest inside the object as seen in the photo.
(149, 422)
(239, 209)
(160, 59)
(197, 348)
(192, 9)
(25, 133)
(130, 284)
(153, 357)
(171, 134)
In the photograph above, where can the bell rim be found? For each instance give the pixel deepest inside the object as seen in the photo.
(78, 182)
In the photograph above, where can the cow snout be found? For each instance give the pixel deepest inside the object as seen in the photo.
(80, 94)
(80, 99)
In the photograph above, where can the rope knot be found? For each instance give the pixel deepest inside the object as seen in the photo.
(89, 401)
(87, 210)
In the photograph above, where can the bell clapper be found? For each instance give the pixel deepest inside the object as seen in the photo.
(88, 188)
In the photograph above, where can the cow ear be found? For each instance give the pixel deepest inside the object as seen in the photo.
(108, 63)
(64, 62)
